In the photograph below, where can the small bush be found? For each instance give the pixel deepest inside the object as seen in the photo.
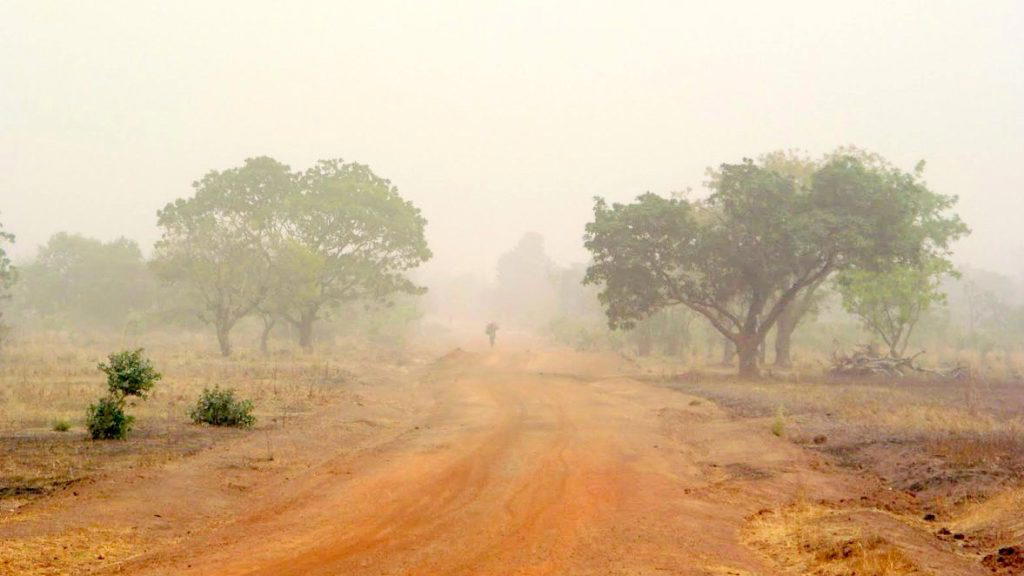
(61, 426)
(779, 424)
(107, 420)
(220, 408)
(129, 373)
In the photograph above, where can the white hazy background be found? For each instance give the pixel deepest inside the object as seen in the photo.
(498, 118)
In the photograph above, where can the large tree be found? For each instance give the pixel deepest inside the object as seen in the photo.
(348, 235)
(220, 244)
(741, 256)
(800, 167)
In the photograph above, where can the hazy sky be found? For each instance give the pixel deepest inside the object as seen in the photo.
(499, 117)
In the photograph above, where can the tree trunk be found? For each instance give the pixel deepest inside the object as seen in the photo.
(268, 326)
(305, 327)
(748, 352)
(224, 338)
(784, 329)
(728, 352)
(789, 319)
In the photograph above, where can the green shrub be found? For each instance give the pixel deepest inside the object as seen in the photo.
(129, 373)
(107, 420)
(61, 426)
(220, 408)
(779, 424)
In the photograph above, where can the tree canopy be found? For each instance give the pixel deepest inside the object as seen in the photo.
(218, 245)
(742, 255)
(292, 245)
(890, 302)
(347, 235)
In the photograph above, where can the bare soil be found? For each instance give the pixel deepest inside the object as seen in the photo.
(517, 462)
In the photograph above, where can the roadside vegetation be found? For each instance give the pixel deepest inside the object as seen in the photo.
(53, 378)
(306, 268)
(218, 407)
(815, 295)
(947, 457)
(129, 375)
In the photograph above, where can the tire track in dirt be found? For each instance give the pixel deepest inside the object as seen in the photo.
(532, 468)
(500, 492)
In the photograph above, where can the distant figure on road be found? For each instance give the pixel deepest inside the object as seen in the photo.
(492, 332)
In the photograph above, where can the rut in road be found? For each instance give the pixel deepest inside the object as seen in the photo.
(508, 474)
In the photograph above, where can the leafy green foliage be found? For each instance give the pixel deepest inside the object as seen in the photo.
(741, 257)
(129, 373)
(348, 236)
(666, 331)
(107, 420)
(891, 302)
(219, 407)
(297, 246)
(218, 244)
(779, 423)
(61, 426)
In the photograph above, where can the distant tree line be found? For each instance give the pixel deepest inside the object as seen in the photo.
(777, 242)
(255, 241)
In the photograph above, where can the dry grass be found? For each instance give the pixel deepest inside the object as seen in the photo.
(812, 539)
(42, 382)
(59, 555)
(999, 516)
(53, 378)
(970, 422)
(1002, 447)
(949, 443)
(947, 450)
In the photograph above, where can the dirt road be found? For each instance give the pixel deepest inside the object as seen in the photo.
(521, 463)
(528, 466)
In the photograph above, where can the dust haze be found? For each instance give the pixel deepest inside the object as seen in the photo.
(498, 119)
(534, 288)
